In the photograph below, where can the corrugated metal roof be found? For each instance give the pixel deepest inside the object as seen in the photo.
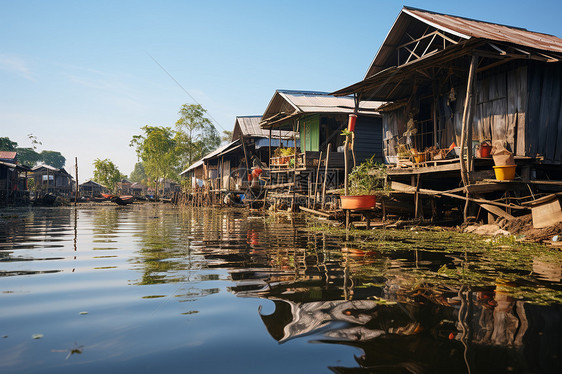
(92, 183)
(486, 30)
(288, 103)
(193, 166)
(461, 27)
(37, 167)
(7, 155)
(221, 150)
(61, 170)
(249, 126)
(216, 153)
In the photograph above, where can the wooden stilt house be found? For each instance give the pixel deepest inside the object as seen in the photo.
(453, 85)
(317, 120)
(92, 189)
(13, 179)
(51, 180)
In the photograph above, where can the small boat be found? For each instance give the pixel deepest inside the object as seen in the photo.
(123, 199)
(107, 196)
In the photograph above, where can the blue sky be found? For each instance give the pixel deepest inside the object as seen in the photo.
(79, 74)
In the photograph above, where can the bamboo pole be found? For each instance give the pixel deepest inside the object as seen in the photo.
(294, 165)
(326, 162)
(466, 135)
(345, 178)
(77, 186)
(466, 120)
(316, 183)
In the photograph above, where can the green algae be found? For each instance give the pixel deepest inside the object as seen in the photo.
(436, 258)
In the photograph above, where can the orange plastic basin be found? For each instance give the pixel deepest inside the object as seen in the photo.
(358, 202)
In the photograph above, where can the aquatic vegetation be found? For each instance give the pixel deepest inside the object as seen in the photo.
(437, 258)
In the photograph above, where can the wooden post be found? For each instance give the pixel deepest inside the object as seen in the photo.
(309, 190)
(221, 181)
(345, 168)
(435, 103)
(294, 165)
(466, 122)
(77, 193)
(417, 199)
(316, 183)
(326, 162)
(303, 145)
(345, 178)
(467, 130)
(269, 161)
(248, 167)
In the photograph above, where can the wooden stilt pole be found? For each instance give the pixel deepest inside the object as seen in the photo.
(294, 167)
(316, 183)
(77, 192)
(466, 140)
(326, 162)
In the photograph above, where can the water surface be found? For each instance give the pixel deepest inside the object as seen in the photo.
(152, 288)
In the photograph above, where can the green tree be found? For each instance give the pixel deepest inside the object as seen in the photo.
(28, 156)
(7, 145)
(34, 141)
(106, 173)
(138, 174)
(195, 134)
(158, 152)
(226, 136)
(53, 158)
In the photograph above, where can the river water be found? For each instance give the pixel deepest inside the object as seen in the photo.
(153, 288)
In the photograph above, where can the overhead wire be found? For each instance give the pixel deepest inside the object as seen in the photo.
(184, 90)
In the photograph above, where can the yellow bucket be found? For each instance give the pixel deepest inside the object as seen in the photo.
(505, 173)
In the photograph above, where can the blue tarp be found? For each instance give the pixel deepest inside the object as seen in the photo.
(264, 142)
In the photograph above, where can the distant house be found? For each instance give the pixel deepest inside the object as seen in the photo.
(13, 179)
(49, 179)
(124, 186)
(92, 189)
(194, 173)
(138, 189)
(227, 167)
(167, 188)
(8, 156)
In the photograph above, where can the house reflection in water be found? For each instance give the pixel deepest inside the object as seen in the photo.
(418, 330)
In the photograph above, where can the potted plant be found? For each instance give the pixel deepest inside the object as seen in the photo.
(286, 155)
(366, 181)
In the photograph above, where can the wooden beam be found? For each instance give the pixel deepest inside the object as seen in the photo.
(401, 187)
(313, 211)
(497, 211)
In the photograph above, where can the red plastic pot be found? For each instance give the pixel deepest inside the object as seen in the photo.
(351, 123)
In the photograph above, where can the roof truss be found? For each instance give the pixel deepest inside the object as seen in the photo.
(430, 42)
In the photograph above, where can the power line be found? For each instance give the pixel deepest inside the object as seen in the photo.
(184, 90)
